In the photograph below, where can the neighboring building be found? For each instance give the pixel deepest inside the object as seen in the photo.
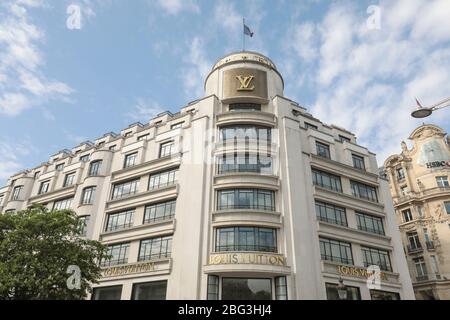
(419, 182)
(241, 195)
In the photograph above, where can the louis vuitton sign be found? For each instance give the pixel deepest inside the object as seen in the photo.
(244, 82)
(128, 269)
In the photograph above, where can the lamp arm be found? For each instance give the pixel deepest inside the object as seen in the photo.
(441, 105)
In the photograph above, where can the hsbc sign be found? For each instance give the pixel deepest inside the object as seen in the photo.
(438, 164)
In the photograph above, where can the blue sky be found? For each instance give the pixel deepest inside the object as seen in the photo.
(133, 59)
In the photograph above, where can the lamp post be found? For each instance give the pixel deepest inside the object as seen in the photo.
(342, 290)
(422, 112)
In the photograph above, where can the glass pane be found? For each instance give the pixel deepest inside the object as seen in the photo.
(246, 289)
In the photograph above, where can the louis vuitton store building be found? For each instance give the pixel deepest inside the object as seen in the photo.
(242, 194)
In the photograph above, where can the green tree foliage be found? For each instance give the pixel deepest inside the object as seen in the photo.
(37, 246)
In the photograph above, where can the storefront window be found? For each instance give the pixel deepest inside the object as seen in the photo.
(213, 288)
(246, 289)
(384, 295)
(332, 292)
(281, 288)
(107, 293)
(150, 291)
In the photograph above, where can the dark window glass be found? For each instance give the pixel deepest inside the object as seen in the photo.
(162, 179)
(120, 220)
(246, 289)
(149, 291)
(16, 193)
(358, 162)
(407, 215)
(331, 213)
(344, 139)
(378, 257)
(177, 125)
(384, 295)
(245, 107)
(213, 288)
(69, 179)
(44, 187)
(323, 150)
(107, 293)
(364, 191)
(85, 158)
(160, 211)
(125, 189)
(254, 199)
(334, 250)
(118, 253)
(311, 126)
(442, 182)
(245, 132)
(143, 137)
(400, 174)
(59, 167)
(63, 204)
(155, 248)
(88, 195)
(327, 180)
(94, 168)
(254, 163)
(369, 223)
(165, 149)
(332, 292)
(130, 160)
(447, 206)
(246, 239)
(281, 288)
(84, 221)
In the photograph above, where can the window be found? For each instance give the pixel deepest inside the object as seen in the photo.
(112, 148)
(118, 253)
(413, 241)
(177, 125)
(254, 199)
(281, 288)
(331, 213)
(120, 220)
(17, 193)
(94, 168)
(378, 257)
(245, 132)
(407, 215)
(44, 187)
(162, 179)
(130, 160)
(364, 191)
(369, 223)
(150, 290)
(358, 162)
(400, 174)
(37, 174)
(128, 134)
(404, 191)
(159, 211)
(246, 289)
(323, 150)
(332, 292)
(447, 206)
(155, 248)
(254, 163)
(326, 180)
(344, 139)
(88, 195)
(213, 288)
(101, 144)
(107, 293)
(420, 211)
(85, 158)
(1, 199)
(143, 137)
(84, 221)
(421, 268)
(334, 250)
(311, 126)
(69, 179)
(384, 295)
(165, 149)
(63, 204)
(244, 107)
(125, 189)
(246, 239)
(434, 264)
(442, 182)
(428, 241)
(59, 167)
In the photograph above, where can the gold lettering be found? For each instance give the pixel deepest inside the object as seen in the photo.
(245, 83)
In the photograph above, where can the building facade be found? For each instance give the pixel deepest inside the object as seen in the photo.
(419, 183)
(241, 195)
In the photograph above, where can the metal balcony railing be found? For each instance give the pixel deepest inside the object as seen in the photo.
(414, 248)
(430, 245)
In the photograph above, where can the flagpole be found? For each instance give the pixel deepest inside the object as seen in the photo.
(243, 34)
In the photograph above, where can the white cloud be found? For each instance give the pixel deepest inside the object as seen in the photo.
(366, 80)
(22, 82)
(174, 7)
(197, 67)
(145, 110)
(9, 158)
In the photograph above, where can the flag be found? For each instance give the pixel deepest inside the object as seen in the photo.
(247, 31)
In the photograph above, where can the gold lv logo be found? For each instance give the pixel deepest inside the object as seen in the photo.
(245, 83)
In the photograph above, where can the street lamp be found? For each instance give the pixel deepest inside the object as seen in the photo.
(342, 290)
(422, 112)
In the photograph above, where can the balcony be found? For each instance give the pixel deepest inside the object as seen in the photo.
(430, 245)
(414, 249)
(429, 193)
(422, 278)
